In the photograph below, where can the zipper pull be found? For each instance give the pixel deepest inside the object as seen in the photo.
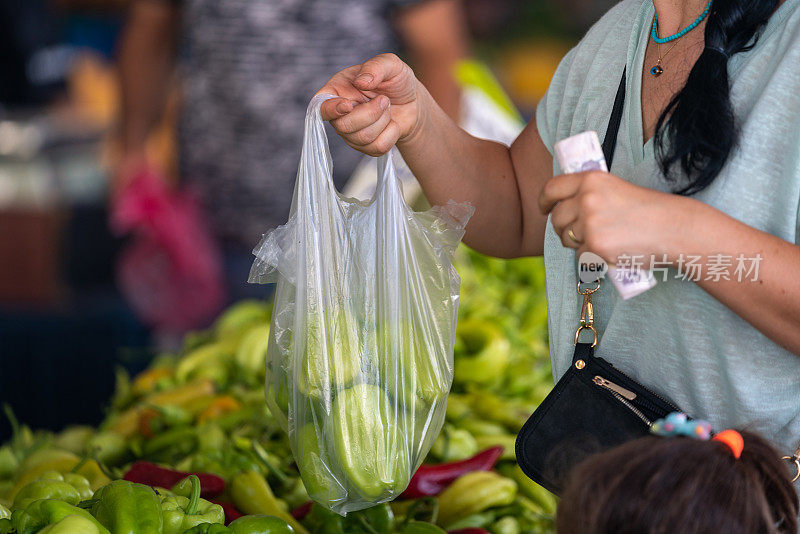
(605, 383)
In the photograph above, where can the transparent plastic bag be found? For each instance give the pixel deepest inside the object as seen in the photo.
(360, 357)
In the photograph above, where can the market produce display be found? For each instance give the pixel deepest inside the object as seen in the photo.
(188, 445)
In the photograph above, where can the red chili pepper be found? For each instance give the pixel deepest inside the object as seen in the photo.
(432, 479)
(231, 513)
(155, 475)
(470, 530)
(301, 511)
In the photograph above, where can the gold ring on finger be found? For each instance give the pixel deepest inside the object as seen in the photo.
(572, 236)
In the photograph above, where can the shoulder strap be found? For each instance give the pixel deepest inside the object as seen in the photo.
(610, 140)
(585, 351)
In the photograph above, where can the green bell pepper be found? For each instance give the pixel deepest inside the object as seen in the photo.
(208, 528)
(170, 445)
(260, 524)
(252, 495)
(375, 520)
(323, 521)
(484, 352)
(128, 508)
(6, 526)
(506, 525)
(249, 524)
(50, 486)
(372, 453)
(315, 466)
(545, 501)
(181, 513)
(41, 513)
(421, 527)
(72, 524)
(473, 493)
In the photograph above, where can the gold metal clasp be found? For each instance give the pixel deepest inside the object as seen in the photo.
(587, 311)
(794, 460)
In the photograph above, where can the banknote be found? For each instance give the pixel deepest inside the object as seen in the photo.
(583, 152)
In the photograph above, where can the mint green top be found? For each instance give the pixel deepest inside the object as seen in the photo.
(676, 338)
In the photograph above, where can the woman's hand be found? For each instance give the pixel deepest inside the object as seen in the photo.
(613, 218)
(379, 104)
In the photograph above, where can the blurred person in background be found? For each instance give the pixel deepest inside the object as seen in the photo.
(248, 69)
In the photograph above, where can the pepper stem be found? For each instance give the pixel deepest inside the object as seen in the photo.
(194, 499)
(262, 456)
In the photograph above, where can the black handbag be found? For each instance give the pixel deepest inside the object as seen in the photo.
(594, 406)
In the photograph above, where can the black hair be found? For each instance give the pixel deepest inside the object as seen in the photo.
(698, 128)
(657, 485)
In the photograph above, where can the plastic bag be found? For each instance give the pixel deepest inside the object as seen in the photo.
(171, 271)
(360, 357)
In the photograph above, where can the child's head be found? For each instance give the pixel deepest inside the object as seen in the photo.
(681, 485)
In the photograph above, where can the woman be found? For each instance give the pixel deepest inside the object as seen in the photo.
(719, 117)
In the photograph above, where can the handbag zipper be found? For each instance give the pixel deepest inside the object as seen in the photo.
(620, 393)
(650, 391)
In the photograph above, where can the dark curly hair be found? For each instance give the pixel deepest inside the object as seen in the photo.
(657, 485)
(698, 129)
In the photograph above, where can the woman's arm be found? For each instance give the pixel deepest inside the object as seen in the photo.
(383, 104)
(614, 218)
(769, 296)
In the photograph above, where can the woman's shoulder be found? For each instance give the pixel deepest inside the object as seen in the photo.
(611, 34)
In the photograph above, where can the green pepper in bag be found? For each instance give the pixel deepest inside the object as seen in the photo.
(315, 468)
(370, 448)
(128, 508)
(181, 513)
(330, 361)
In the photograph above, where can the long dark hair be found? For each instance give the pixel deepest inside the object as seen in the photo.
(657, 485)
(698, 129)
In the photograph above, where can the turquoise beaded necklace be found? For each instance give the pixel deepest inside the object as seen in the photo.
(657, 70)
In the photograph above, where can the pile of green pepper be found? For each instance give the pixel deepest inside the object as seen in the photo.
(65, 504)
(202, 411)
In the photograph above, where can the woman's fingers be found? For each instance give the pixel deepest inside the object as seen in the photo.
(369, 133)
(565, 217)
(334, 108)
(361, 116)
(557, 189)
(382, 144)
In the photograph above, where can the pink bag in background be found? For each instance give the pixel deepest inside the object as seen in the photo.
(171, 270)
